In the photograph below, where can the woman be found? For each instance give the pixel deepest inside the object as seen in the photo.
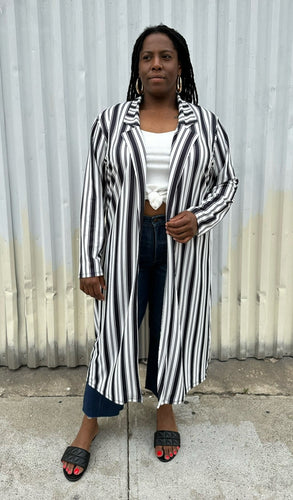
(159, 177)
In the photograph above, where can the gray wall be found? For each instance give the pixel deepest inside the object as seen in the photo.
(61, 63)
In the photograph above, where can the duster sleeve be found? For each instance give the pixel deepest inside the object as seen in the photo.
(92, 205)
(222, 185)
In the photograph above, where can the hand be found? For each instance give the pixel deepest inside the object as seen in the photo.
(182, 227)
(93, 286)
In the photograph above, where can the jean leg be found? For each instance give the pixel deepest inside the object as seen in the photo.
(156, 297)
(146, 254)
(143, 292)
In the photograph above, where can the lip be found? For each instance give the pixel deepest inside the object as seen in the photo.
(156, 77)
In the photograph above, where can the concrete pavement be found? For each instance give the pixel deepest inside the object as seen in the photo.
(236, 432)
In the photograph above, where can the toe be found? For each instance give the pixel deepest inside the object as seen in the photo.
(77, 470)
(69, 468)
(159, 451)
(168, 452)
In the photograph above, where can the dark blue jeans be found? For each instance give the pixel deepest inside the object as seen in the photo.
(151, 284)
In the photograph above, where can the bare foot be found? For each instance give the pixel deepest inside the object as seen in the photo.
(87, 432)
(166, 422)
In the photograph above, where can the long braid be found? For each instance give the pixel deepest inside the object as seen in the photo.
(189, 91)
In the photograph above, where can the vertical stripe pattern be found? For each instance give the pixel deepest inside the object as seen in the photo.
(202, 181)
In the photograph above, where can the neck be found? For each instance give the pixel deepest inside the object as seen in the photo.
(157, 103)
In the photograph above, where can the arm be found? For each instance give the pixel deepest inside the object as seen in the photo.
(202, 218)
(218, 200)
(92, 217)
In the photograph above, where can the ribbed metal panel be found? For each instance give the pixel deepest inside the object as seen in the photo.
(62, 62)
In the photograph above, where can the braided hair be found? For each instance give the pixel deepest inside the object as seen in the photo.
(189, 91)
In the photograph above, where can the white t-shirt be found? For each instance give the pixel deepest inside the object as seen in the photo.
(158, 149)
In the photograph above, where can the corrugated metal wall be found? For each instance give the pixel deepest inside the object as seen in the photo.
(62, 62)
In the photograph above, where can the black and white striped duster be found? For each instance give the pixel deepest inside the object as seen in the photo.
(201, 180)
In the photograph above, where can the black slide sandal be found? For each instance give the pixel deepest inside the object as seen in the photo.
(167, 438)
(78, 457)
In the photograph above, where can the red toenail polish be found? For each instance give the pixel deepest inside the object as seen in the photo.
(171, 455)
(64, 466)
(175, 452)
(76, 471)
(167, 457)
(159, 453)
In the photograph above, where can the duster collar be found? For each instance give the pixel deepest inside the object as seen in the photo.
(187, 112)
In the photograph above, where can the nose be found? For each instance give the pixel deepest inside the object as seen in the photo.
(156, 63)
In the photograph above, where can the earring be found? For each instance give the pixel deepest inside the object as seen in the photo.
(179, 84)
(139, 90)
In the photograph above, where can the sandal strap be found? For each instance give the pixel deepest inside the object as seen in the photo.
(166, 438)
(76, 456)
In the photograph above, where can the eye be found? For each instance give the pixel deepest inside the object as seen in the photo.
(166, 56)
(146, 57)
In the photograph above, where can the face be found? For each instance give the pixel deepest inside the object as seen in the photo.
(158, 66)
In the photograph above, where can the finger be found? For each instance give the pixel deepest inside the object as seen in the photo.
(96, 292)
(96, 295)
(183, 236)
(93, 290)
(188, 229)
(99, 295)
(177, 221)
(183, 240)
(99, 288)
(184, 225)
(102, 282)
(180, 231)
(176, 230)
(177, 217)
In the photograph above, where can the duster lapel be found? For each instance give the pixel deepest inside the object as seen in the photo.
(184, 139)
(134, 141)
